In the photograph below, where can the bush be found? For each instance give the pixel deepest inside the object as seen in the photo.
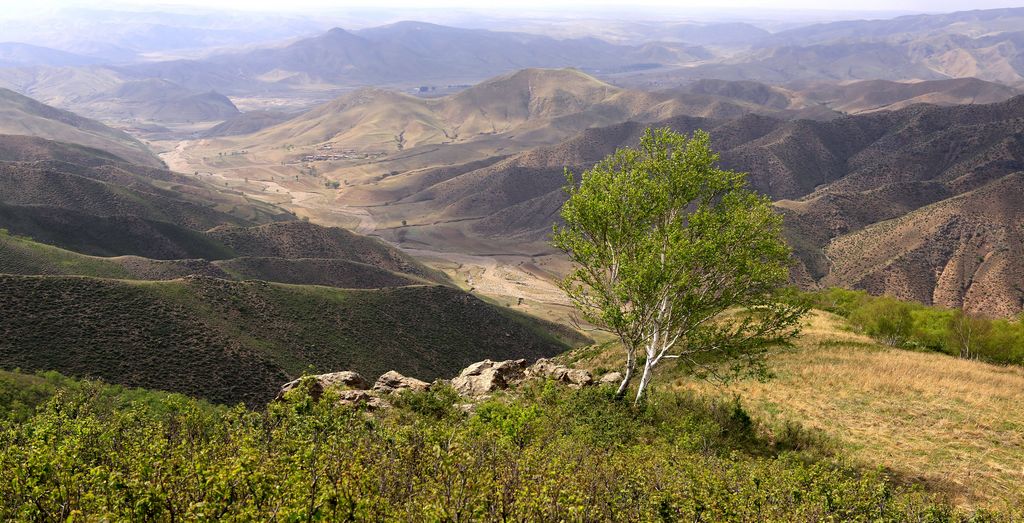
(914, 325)
(550, 454)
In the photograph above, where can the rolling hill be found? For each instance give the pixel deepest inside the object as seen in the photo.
(875, 95)
(239, 341)
(246, 123)
(158, 100)
(20, 115)
(16, 54)
(160, 280)
(843, 184)
(544, 106)
(508, 113)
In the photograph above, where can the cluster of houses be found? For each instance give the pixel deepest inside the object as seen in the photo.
(339, 155)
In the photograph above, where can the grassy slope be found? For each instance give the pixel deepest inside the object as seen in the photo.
(234, 341)
(544, 453)
(20, 115)
(954, 424)
(20, 255)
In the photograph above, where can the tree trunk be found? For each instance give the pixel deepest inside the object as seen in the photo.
(630, 364)
(644, 380)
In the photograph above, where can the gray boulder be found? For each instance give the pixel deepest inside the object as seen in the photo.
(361, 397)
(547, 369)
(611, 378)
(391, 382)
(487, 376)
(321, 382)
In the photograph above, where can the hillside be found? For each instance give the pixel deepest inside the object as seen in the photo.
(21, 255)
(85, 201)
(381, 120)
(20, 115)
(386, 131)
(831, 178)
(233, 341)
(548, 453)
(874, 95)
(158, 100)
(143, 270)
(16, 54)
(246, 123)
(925, 418)
(392, 131)
(37, 172)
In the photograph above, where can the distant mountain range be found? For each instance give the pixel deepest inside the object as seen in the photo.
(844, 182)
(14, 54)
(408, 52)
(987, 45)
(981, 44)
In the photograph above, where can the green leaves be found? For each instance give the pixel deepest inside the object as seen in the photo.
(549, 454)
(664, 243)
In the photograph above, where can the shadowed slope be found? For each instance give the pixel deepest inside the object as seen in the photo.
(231, 341)
(21, 115)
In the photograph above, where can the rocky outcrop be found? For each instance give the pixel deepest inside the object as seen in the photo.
(361, 397)
(487, 376)
(321, 382)
(475, 381)
(391, 382)
(545, 368)
(611, 378)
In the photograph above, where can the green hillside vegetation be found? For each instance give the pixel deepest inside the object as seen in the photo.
(109, 235)
(21, 255)
(297, 240)
(89, 451)
(239, 341)
(912, 325)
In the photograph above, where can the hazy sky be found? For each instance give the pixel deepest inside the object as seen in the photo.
(574, 5)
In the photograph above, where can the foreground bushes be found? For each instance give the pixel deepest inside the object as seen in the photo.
(550, 455)
(914, 325)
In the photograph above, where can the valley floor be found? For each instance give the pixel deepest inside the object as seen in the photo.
(526, 282)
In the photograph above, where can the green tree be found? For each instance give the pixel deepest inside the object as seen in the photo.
(678, 258)
(886, 319)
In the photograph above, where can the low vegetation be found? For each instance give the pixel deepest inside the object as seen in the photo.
(239, 341)
(912, 325)
(544, 454)
(926, 418)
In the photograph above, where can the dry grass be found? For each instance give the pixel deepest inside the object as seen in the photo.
(953, 424)
(956, 426)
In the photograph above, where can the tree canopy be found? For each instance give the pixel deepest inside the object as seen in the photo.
(677, 257)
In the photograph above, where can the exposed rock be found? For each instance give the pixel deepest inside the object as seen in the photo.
(611, 378)
(488, 376)
(320, 382)
(361, 397)
(545, 368)
(391, 382)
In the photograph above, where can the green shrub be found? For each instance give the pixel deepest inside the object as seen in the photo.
(92, 452)
(917, 326)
